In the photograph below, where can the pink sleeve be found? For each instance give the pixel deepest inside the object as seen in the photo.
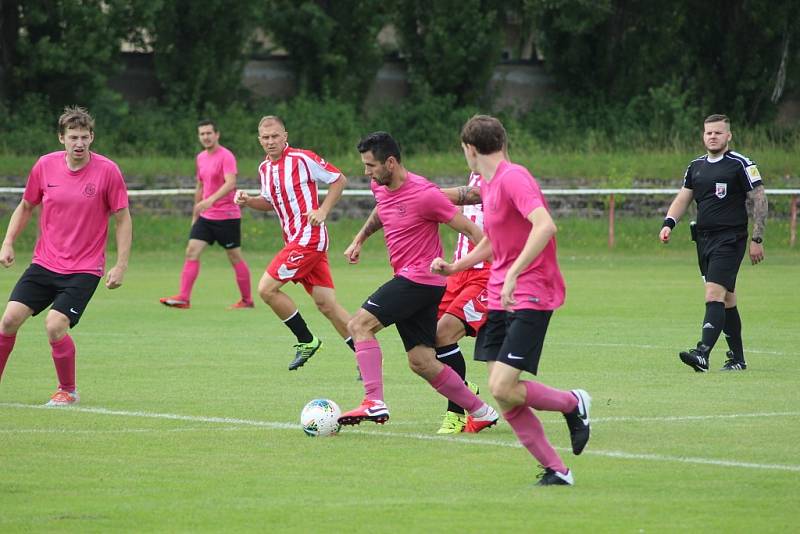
(117, 195)
(229, 164)
(440, 208)
(524, 193)
(320, 170)
(33, 189)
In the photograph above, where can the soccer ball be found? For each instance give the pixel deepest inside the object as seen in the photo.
(320, 417)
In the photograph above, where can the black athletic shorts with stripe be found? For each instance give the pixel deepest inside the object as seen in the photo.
(719, 255)
(514, 338)
(226, 232)
(69, 294)
(412, 307)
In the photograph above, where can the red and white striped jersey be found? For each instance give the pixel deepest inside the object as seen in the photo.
(290, 185)
(473, 212)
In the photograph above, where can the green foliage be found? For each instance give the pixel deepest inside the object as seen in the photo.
(451, 46)
(333, 46)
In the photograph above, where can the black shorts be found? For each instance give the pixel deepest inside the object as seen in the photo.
(411, 306)
(69, 294)
(515, 338)
(719, 255)
(227, 232)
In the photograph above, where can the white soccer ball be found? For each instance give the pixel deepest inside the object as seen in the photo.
(320, 417)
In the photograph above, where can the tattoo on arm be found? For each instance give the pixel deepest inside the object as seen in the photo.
(372, 225)
(758, 207)
(468, 195)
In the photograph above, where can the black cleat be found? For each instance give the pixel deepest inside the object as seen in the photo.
(548, 477)
(304, 351)
(697, 358)
(733, 363)
(578, 421)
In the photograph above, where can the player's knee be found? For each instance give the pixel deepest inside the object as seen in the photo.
(356, 326)
(501, 391)
(10, 323)
(56, 327)
(325, 306)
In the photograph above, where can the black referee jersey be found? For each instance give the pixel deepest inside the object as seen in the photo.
(720, 189)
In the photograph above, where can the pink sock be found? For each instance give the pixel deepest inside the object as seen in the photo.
(452, 386)
(243, 280)
(530, 433)
(370, 363)
(64, 360)
(6, 346)
(541, 397)
(191, 268)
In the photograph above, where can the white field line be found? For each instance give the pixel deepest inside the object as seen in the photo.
(420, 437)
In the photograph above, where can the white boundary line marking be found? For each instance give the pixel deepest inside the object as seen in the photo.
(421, 437)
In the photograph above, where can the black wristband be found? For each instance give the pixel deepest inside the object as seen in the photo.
(669, 221)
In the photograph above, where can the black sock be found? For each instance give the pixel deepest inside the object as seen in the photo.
(733, 333)
(451, 356)
(299, 328)
(713, 323)
(350, 343)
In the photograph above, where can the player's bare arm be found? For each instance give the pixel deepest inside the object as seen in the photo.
(463, 195)
(462, 225)
(258, 203)
(758, 207)
(124, 236)
(372, 225)
(335, 189)
(543, 229)
(202, 205)
(481, 252)
(17, 223)
(676, 210)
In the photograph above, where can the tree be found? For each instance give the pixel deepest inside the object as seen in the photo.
(333, 45)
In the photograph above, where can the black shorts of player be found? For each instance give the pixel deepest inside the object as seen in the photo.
(227, 232)
(412, 307)
(514, 338)
(69, 294)
(720, 254)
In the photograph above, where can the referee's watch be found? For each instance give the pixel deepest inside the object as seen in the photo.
(758, 240)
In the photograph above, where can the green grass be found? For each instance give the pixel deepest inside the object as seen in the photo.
(671, 450)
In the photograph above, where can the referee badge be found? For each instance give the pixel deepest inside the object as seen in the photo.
(722, 190)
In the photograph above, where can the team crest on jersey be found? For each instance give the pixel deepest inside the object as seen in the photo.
(90, 190)
(722, 190)
(401, 209)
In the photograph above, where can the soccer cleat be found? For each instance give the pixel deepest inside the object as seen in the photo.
(473, 387)
(697, 358)
(476, 424)
(242, 304)
(548, 477)
(304, 351)
(733, 363)
(578, 421)
(64, 398)
(175, 302)
(369, 410)
(453, 423)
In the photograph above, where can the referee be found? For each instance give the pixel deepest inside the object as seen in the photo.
(724, 184)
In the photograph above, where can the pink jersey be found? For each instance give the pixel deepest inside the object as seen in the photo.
(76, 205)
(411, 217)
(211, 171)
(290, 185)
(509, 197)
(473, 212)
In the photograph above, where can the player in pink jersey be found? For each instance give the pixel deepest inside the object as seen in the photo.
(410, 210)
(289, 179)
(215, 218)
(78, 191)
(525, 286)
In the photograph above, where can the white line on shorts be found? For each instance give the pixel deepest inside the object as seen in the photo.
(420, 437)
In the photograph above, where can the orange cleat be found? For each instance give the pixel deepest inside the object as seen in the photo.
(242, 304)
(64, 398)
(476, 424)
(369, 410)
(175, 302)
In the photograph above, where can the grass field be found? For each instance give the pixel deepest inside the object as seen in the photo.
(189, 418)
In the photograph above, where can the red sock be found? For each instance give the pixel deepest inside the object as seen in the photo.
(243, 280)
(452, 386)
(541, 397)
(64, 360)
(191, 268)
(530, 433)
(370, 363)
(6, 346)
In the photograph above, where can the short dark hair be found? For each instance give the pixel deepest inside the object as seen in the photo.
(717, 118)
(485, 133)
(207, 122)
(381, 144)
(75, 117)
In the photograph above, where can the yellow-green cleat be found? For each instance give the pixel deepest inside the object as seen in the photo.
(453, 423)
(304, 351)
